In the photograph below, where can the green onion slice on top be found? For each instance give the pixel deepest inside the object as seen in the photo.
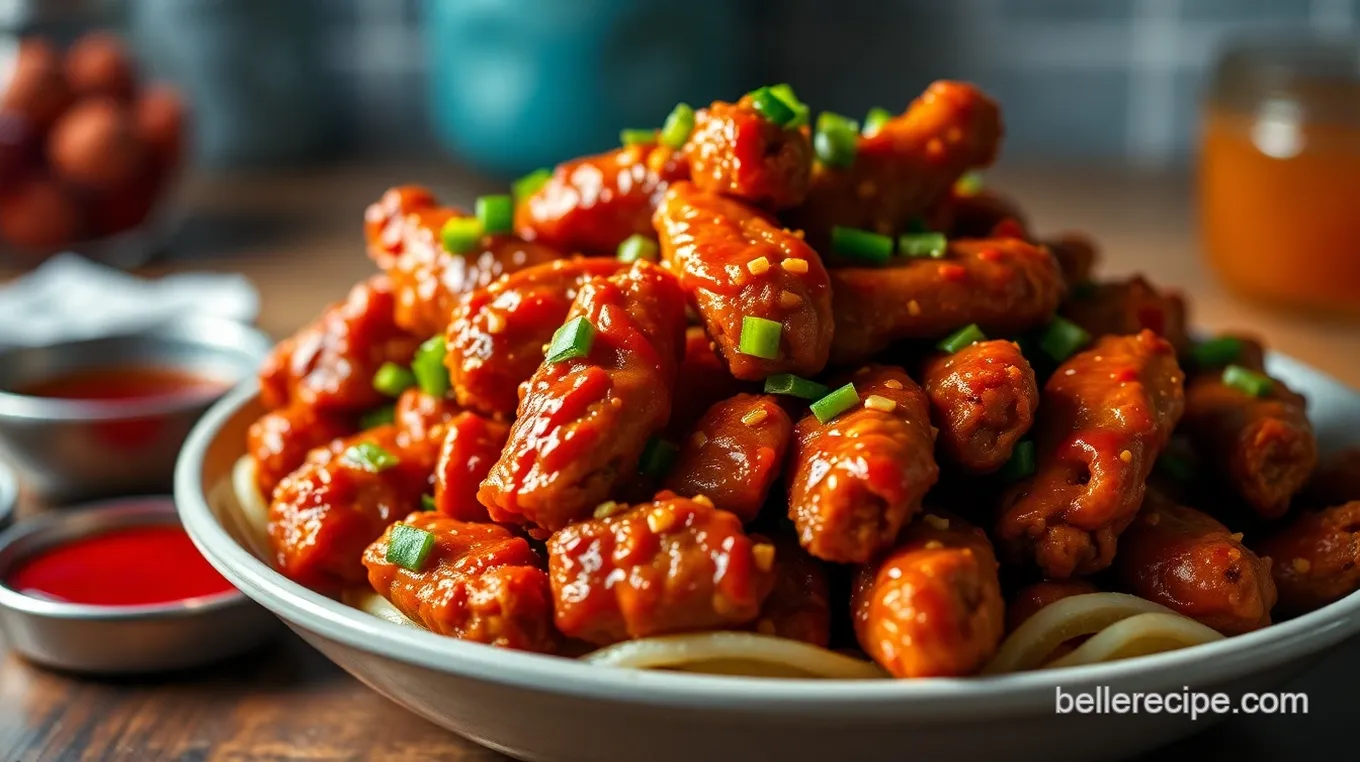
(964, 337)
(870, 248)
(773, 108)
(638, 246)
(530, 184)
(428, 367)
(1062, 338)
(1216, 352)
(633, 137)
(496, 214)
(409, 547)
(760, 337)
(572, 341)
(392, 379)
(370, 457)
(875, 119)
(836, 139)
(801, 112)
(835, 403)
(1248, 381)
(794, 386)
(932, 245)
(427, 503)
(675, 131)
(461, 235)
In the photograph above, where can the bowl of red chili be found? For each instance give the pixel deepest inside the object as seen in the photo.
(106, 416)
(119, 588)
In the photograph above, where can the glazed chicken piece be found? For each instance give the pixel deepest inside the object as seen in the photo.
(341, 499)
(479, 582)
(329, 364)
(1262, 448)
(671, 565)
(931, 607)
(706, 383)
(1336, 480)
(1315, 558)
(1125, 307)
(583, 422)
(280, 440)
(734, 454)
(799, 604)
(1189, 562)
(1004, 285)
(591, 204)
(497, 333)
(745, 273)
(471, 445)
(855, 480)
(1107, 413)
(905, 167)
(404, 239)
(982, 399)
(737, 152)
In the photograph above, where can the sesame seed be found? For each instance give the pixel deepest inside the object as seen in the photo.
(1301, 565)
(758, 266)
(755, 417)
(699, 439)
(1126, 456)
(660, 520)
(913, 308)
(936, 522)
(703, 500)
(609, 508)
(795, 265)
(934, 545)
(881, 404)
(789, 300)
(763, 553)
(495, 322)
(892, 383)
(1236, 536)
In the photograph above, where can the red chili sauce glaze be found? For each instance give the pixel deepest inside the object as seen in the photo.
(136, 566)
(124, 384)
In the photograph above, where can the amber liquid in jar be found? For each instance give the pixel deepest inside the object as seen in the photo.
(1280, 175)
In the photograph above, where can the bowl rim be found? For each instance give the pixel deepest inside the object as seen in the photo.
(215, 333)
(943, 698)
(9, 494)
(87, 520)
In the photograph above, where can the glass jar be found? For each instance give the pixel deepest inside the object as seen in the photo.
(1279, 174)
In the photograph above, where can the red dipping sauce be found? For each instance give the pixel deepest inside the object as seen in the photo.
(136, 566)
(122, 384)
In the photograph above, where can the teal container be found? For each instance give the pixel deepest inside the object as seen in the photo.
(521, 84)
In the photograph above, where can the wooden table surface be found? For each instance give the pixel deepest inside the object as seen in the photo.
(297, 237)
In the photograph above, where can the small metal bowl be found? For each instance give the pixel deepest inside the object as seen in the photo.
(9, 497)
(81, 449)
(112, 640)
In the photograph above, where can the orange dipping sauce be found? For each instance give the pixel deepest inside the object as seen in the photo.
(124, 384)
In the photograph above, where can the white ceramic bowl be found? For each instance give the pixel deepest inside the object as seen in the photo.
(547, 708)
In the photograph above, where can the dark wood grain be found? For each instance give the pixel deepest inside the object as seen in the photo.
(283, 703)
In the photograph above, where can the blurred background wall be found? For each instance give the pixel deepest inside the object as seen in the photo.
(1136, 66)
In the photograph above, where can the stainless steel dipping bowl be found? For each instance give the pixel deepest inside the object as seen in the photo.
(79, 449)
(119, 639)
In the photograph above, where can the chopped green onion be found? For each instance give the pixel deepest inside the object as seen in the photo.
(461, 235)
(658, 456)
(801, 112)
(1177, 467)
(392, 379)
(969, 185)
(875, 119)
(496, 214)
(637, 246)
(1215, 352)
(573, 340)
(409, 547)
(377, 417)
(1247, 381)
(1021, 463)
(861, 244)
(835, 403)
(1062, 338)
(530, 184)
(915, 245)
(675, 131)
(370, 457)
(634, 137)
(427, 503)
(836, 139)
(964, 337)
(428, 367)
(772, 107)
(760, 337)
(794, 386)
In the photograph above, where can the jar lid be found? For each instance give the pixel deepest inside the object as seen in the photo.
(1321, 73)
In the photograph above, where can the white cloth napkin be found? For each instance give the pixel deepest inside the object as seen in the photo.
(69, 297)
